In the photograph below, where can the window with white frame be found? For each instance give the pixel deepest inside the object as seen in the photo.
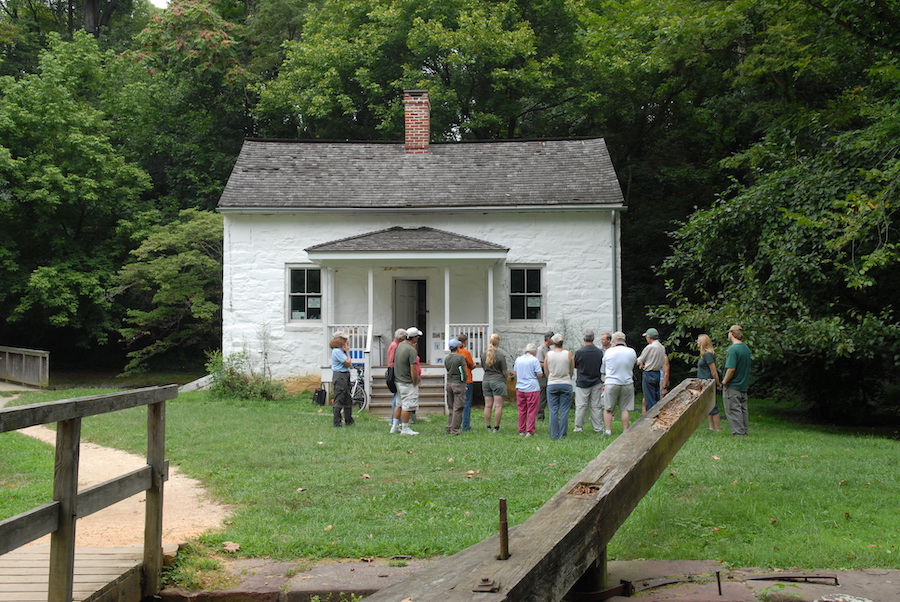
(305, 294)
(526, 296)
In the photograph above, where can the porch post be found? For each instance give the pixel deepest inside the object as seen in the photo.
(446, 306)
(371, 297)
(490, 299)
(329, 307)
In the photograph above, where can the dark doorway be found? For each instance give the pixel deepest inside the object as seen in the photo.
(410, 310)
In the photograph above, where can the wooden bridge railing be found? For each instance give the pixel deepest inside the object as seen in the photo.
(561, 548)
(25, 366)
(58, 517)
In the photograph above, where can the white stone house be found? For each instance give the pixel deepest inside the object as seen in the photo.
(518, 237)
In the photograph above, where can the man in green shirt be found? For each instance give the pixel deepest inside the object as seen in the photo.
(736, 381)
(406, 375)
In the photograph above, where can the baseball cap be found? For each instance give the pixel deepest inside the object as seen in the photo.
(453, 343)
(412, 331)
(652, 333)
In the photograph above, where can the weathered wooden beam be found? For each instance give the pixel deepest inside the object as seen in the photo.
(20, 417)
(564, 539)
(24, 528)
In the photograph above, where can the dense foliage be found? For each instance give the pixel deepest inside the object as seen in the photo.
(764, 133)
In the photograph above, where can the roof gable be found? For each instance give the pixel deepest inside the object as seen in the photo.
(313, 176)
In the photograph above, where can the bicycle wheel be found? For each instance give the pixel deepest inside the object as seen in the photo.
(358, 396)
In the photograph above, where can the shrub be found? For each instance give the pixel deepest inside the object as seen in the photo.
(233, 376)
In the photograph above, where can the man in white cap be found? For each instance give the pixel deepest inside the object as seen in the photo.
(618, 371)
(406, 375)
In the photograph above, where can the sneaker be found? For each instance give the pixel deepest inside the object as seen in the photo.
(395, 428)
(521, 434)
(607, 433)
(528, 434)
(577, 429)
(408, 431)
(490, 430)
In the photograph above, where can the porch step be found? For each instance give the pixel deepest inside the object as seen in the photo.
(431, 394)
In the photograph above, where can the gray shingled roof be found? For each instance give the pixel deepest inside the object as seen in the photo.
(408, 239)
(312, 175)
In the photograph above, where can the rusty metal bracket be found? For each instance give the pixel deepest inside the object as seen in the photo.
(487, 585)
(793, 577)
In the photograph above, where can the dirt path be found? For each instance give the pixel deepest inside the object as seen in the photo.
(188, 510)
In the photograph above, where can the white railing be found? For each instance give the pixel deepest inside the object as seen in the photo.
(360, 337)
(478, 337)
(25, 366)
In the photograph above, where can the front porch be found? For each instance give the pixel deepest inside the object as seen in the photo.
(441, 282)
(368, 351)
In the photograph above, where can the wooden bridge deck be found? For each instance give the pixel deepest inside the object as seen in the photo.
(101, 574)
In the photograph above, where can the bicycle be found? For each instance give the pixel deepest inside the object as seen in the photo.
(358, 389)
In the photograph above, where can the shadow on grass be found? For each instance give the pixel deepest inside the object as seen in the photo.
(110, 379)
(797, 415)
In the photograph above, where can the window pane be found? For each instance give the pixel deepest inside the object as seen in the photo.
(534, 308)
(314, 281)
(298, 281)
(533, 281)
(517, 308)
(314, 311)
(517, 281)
(298, 308)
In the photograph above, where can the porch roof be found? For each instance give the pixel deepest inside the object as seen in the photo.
(406, 246)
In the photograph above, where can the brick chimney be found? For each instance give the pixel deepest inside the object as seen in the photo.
(418, 120)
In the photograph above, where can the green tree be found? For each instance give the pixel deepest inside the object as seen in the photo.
(173, 288)
(185, 117)
(25, 25)
(676, 87)
(481, 61)
(805, 259)
(63, 188)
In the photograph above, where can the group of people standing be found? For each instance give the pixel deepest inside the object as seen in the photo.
(544, 379)
(604, 380)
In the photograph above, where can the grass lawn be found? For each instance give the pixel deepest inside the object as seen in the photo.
(790, 495)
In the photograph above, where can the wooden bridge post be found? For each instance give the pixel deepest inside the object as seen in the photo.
(153, 519)
(65, 493)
